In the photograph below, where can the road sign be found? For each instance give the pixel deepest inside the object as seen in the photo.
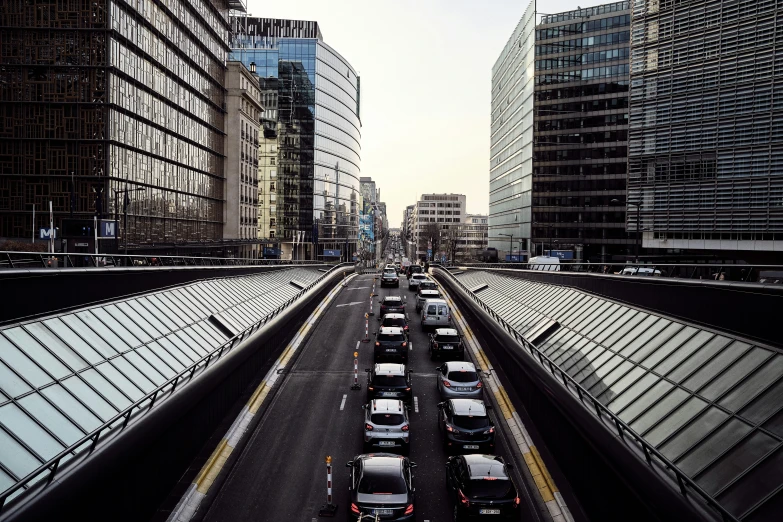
(331, 253)
(108, 229)
(45, 234)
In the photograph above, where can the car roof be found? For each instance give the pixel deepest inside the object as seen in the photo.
(394, 316)
(469, 407)
(482, 466)
(429, 292)
(382, 463)
(390, 369)
(457, 366)
(446, 331)
(390, 330)
(386, 406)
(420, 276)
(392, 298)
(436, 301)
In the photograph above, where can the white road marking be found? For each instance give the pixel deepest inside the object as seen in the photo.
(349, 304)
(342, 404)
(416, 404)
(358, 288)
(357, 345)
(411, 346)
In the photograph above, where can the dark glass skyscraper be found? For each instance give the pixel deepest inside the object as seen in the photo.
(580, 132)
(319, 131)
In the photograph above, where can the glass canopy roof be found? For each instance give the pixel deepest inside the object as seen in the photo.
(64, 376)
(711, 403)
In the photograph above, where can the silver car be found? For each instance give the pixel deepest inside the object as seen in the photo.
(413, 282)
(422, 295)
(459, 380)
(386, 426)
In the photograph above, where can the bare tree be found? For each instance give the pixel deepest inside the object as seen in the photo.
(451, 238)
(431, 232)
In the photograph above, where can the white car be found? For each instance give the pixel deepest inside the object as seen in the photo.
(413, 282)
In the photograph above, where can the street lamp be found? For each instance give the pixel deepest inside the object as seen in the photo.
(638, 205)
(510, 246)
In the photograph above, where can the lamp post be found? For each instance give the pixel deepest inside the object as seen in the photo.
(510, 246)
(638, 205)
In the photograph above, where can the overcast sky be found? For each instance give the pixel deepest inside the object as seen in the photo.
(426, 70)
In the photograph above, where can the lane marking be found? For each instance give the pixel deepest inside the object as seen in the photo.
(188, 505)
(411, 346)
(357, 345)
(358, 288)
(349, 304)
(416, 404)
(549, 492)
(342, 404)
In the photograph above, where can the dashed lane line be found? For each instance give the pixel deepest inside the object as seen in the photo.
(342, 404)
(551, 496)
(188, 505)
(416, 404)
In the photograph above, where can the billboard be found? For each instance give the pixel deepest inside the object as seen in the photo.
(366, 233)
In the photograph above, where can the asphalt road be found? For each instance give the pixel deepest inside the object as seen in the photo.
(281, 474)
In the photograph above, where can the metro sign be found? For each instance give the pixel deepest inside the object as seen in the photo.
(108, 229)
(47, 233)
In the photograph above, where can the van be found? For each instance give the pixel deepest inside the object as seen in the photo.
(435, 313)
(549, 263)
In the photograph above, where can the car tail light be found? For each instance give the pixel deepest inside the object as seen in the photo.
(406, 326)
(405, 428)
(435, 344)
(377, 343)
(516, 501)
(449, 428)
(404, 344)
(491, 430)
(407, 389)
(462, 498)
(479, 385)
(448, 317)
(354, 508)
(367, 427)
(447, 384)
(409, 509)
(370, 388)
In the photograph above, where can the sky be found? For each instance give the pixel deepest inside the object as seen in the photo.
(425, 67)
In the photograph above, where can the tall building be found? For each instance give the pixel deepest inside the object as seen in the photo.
(318, 133)
(110, 106)
(580, 132)
(434, 216)
(511, 137)
(267, 166)
(706, 136)
(473, 236)
(243, 125)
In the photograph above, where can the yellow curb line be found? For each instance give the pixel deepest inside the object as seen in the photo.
(215, 463)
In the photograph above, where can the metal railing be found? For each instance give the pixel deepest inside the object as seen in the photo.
(79, 260)
(49, 469)
(650, 452)
(715, 271)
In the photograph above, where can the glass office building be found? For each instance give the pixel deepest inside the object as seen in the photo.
(112, 98)
(318, 131)
(580, 135)
(706, 127)
(511, 139)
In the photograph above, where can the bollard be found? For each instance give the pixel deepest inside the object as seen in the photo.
(328, 509)
(366, 329)
(372, 294)
(344, 276)
(356, 385)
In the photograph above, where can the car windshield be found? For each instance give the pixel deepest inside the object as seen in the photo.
(394, 322)
(463, 376)
(415, 268)
(470, 422)
(391, 302)
(390, 337)
(426, 285)
(485, 488)
(390, 380)
(382, 483)
(447, 339)
(387, 419)
(389, 273)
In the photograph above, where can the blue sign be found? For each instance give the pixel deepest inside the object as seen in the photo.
(44, 233)
(515, 258)
(429, 253)
(566, 255)
(443, 259)
(107, 229)
(332, 253)
(271, 252)
(366, 232)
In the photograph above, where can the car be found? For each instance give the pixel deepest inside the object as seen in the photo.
(389, 381)
(390, 278)
(447, 343)
(386, 426)
(424, 293)
(435, 313)
(465, 426)
(398, 320)
(459, 380)
(413, 269)
(480, 486)
(391, 304)
(391, 345)
(415, 279)
(640, 271)
(381, 484)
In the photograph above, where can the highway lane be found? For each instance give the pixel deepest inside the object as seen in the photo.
(281, 476)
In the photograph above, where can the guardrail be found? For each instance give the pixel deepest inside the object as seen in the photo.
(79, 260)
(650, 452)
(717, 271)
(48, 470)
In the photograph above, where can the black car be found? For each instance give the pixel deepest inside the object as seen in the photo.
(389, 381)
(391, 345)
(397, 320)
(413, 269)
(465, 426)
(390, 278)
(391, 304)
(481, 487)
(381, 484)
(446, 343)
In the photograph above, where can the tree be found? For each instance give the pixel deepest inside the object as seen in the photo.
(452, 237)
(430, 232)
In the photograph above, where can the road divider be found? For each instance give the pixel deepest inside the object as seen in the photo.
(188, 505)
(366, 329)
(356, 385)
(329, 509)
(547, 489)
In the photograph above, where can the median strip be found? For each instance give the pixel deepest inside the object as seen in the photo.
(546, 486)
(189, 503)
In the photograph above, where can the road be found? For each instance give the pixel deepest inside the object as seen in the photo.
(281, 474)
